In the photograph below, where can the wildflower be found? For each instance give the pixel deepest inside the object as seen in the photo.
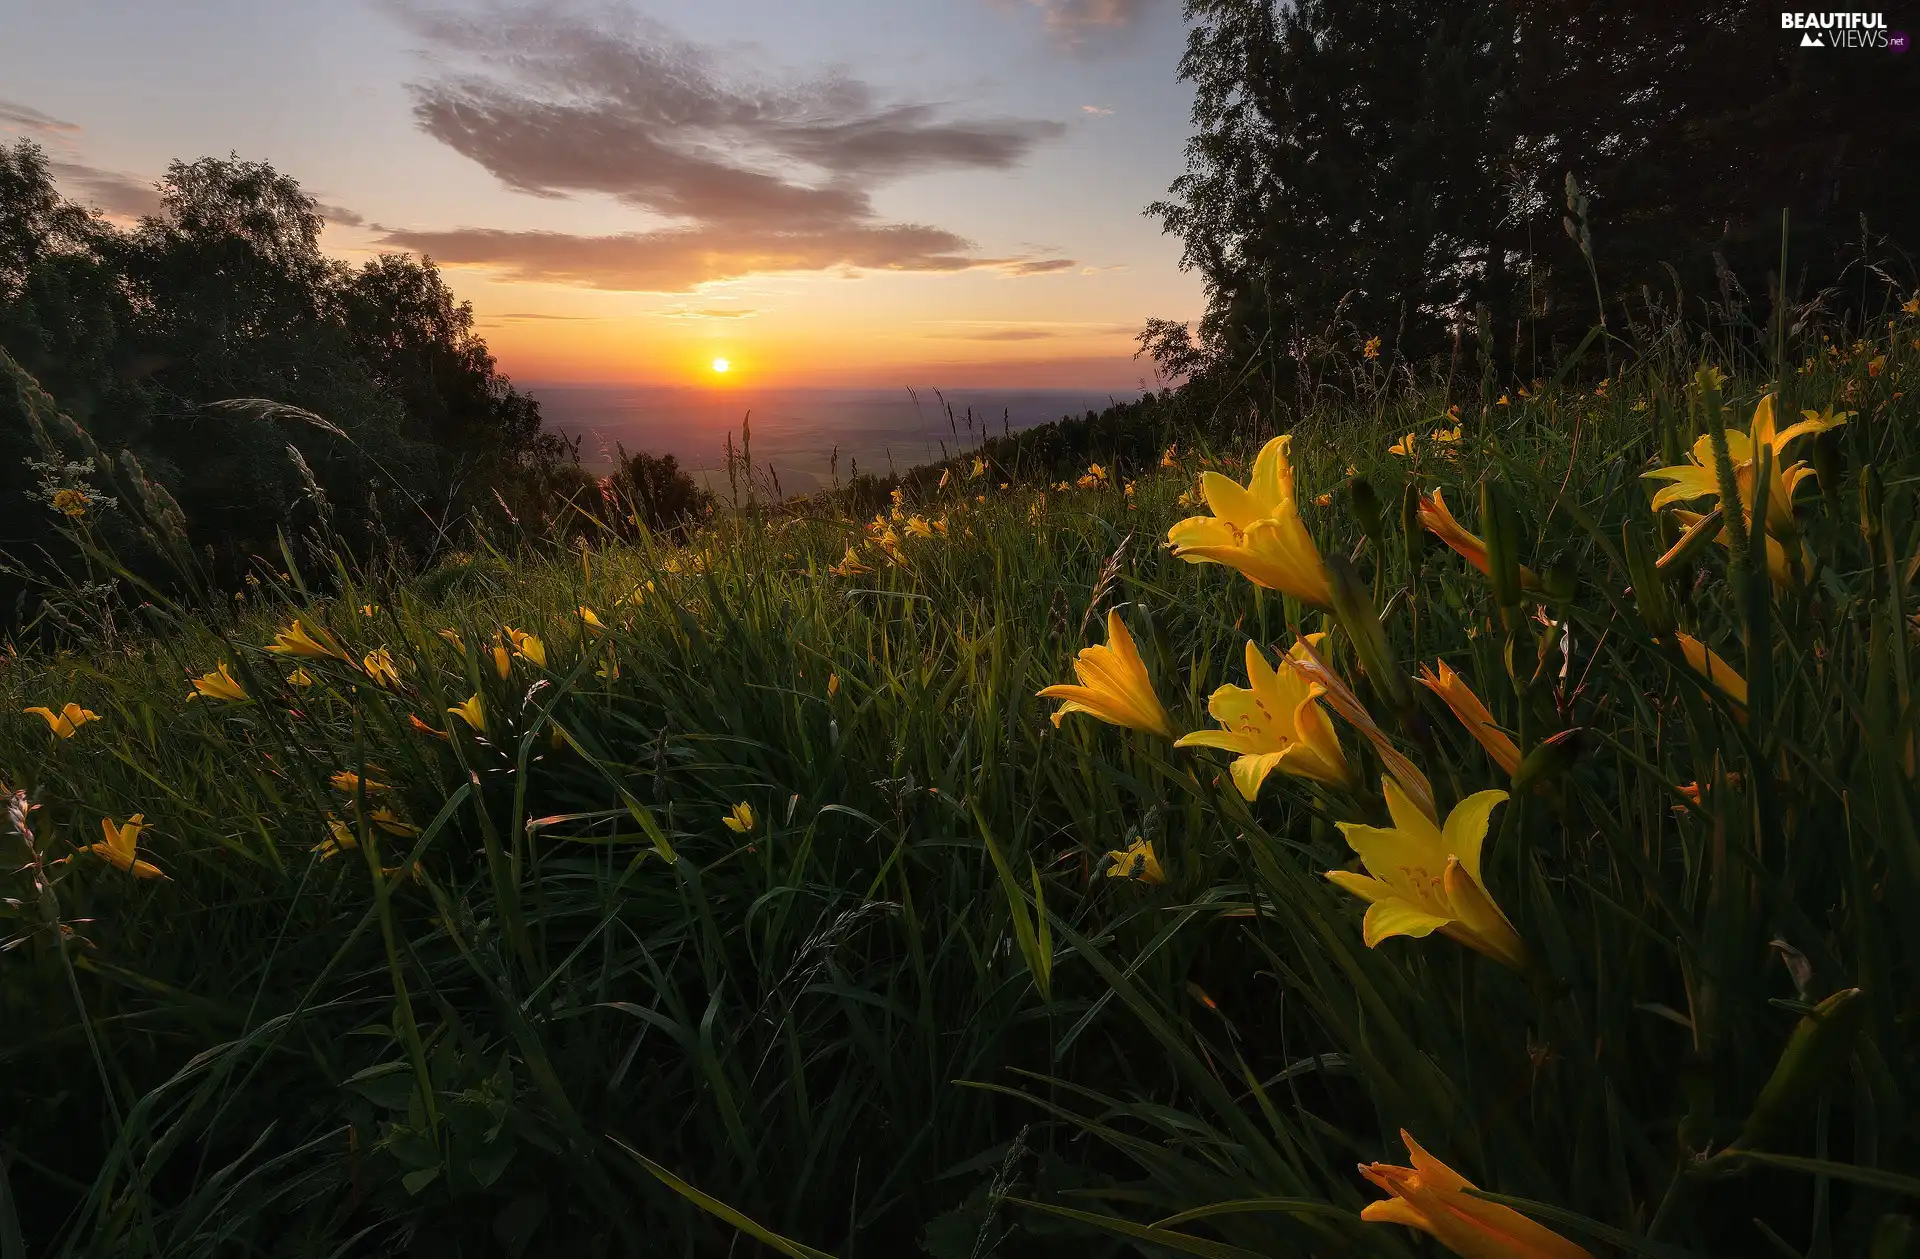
(1441, 524)
(1095, 478)
(389, 821)
(1423, 878)
(1502, 402)
(849, 565)
(298, 640)
(369, 609)
(348, 781)
(833, 685)
(217, 685)
(120, 847)
(528, 647)
(1371, 349)
(420, 727)
(63, 723)
(1434, 1198)
(739, 819)
(591, 621)
(1114, 685)
(978, 470)
(1403, 447)
(609, 671)
(1718, 673)
(1701, 477)
(1137, 862)
(1911, 305)
(917, 527)
(300, 678)
(1275, 723)
(1168, 460)
(1447, 436)
(1323, 500)
(452, 636)
(1257, 530)
(71, 503)
(1876, 365)
(339, 838)
(1473, 714)
(380, 667)
(502, 662)
(472, 713)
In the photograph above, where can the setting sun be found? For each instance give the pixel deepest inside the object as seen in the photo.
(722, 365)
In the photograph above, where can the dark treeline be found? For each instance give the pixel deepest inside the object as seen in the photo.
(1362, 169)
(225, 294)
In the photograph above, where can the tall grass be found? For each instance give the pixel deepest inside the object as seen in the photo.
(906, 1011)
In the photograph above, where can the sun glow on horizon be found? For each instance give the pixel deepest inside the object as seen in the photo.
(722, 366)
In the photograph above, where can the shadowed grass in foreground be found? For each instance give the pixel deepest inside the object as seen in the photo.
(460, 905)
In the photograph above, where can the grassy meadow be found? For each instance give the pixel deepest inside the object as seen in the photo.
(735, 894)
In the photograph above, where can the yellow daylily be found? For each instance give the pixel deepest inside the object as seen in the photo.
(978, 470)
(1274, 723)
(121, 845)
(218, 685)
(1138, 862)
(390, 822)
(1423, 878)
(849, 565)
(1701, 477)
(609, 671)
(298, 640)
(348, 781)
(421, 727)
(380, 667)
(1473, 714)
(1440, 522)
(300, 678)
(590, 620)
(1435, 1199)
(502, 661)
(946, 479)
(739, 819)
(833, 685)
(1779, 564)
(71, 503)
(528, 647)
(339, 838)
(1722, 676)
(472, 713)
(1256, 529)
(452, 636)
(63, 723)
(1114, 685)
(917, 527)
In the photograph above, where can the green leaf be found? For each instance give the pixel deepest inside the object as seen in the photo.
(720, 1210)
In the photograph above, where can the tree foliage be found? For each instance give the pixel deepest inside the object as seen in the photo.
(1402, 171)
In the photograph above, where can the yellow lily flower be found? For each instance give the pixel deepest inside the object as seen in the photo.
(739, 819)
(339, 838)
(217, 685)
(63, 723)
(1447, 436)
(421, 727)
(609, 671)
(1433, 1198)
(1473, 714)
(1701, 478)
(298, 640)
(1722, 676)
(978, 470)
(389, 821)
(1114, 685)
(528, 647)
(472, 713)
(1257, 529)
(380, 667)
(1171, 459)
(1440, 522)
(348, 781)
(833, 685)
(1404, 447)
(946, 479)
(502, 661)
(592, 622)
(1276, 724)
(849, 565)
(1423, 878)
(120, 847)
(1779, 566)
(918, 528)
(1138, 862)
(300, 678)
(452, 636)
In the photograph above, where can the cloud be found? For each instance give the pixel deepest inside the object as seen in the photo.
(745, 174)
(1075, 24)
(340, 216)
(1037, 266)
(1097, 111)
(963, 331)
(108, 191)
(682, 312)
(15, 117)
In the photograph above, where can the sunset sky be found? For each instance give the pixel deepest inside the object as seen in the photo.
(836, 192)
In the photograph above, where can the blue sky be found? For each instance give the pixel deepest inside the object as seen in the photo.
(828, 192)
